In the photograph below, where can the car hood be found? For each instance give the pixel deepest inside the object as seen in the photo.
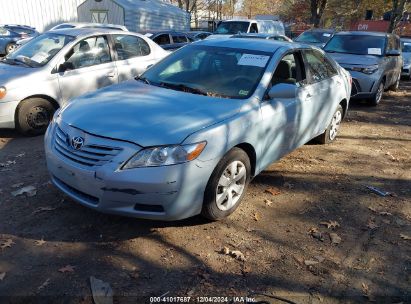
(10, 72)
(146, 115)
(351, 59)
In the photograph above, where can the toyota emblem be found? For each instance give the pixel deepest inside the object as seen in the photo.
(77, 142)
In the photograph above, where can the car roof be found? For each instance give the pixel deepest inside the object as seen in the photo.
(321, 30)
(362, 33)
(17, 25)
(265, 45)
(85, 31)
(165, 32)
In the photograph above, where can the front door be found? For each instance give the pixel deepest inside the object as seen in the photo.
(281, 117)
(87, 67)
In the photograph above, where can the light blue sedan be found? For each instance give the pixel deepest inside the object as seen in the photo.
(186, 137)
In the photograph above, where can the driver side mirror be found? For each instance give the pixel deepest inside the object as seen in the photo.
(393, 53)
(66, 66)
(282, 90)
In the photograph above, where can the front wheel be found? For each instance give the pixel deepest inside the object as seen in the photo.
(331, 132)
(227, 185)
(375, 100)
(33, 116)
(10, 48)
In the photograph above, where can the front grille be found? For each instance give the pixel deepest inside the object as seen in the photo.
(89, 155)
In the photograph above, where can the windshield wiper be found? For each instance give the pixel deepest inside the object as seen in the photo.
(21, 60)
(183, 87)
(143, 79)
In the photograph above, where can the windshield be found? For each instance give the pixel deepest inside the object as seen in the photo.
(406, 46)
(40, 50)
(210, 71)
(314, 37)
(232, 27)
(356, 44)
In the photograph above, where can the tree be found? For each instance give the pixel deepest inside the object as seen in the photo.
(317, 10)
(398, 9)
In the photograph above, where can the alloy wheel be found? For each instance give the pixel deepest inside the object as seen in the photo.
(231, 185)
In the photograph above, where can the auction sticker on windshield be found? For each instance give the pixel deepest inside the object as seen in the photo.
(253, 60)
(374, 51)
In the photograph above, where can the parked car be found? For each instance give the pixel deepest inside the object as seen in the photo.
(188, 135)
(89, 25)
(169, 40)
(232, 27)
(198, 35)
(406, 55)
(317, 37)
(56, 66)
(11, 34)
(264, 36)
(373, 59)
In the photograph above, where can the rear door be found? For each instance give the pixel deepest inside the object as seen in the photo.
(133, 56)
(320, 97)
(88, 67)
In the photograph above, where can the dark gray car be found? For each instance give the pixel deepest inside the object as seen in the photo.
(373, 59)
(406, 56)
(169, 40)
(317, 37)
(11, 34)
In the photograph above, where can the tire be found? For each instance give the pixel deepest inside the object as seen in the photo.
(331, 132)
(10, 48)
(33, 116)
(375, 100)
(224, 185)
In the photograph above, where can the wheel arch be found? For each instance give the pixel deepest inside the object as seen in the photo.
(250, 151)
(344, 105)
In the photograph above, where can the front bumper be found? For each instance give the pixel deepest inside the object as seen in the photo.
(7, 114)
(164, 193)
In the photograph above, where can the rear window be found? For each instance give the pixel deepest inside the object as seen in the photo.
(356, 44)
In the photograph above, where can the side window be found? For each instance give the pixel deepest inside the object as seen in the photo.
(289, 70)
(253, 28)
(4, 32)
(128, 46)
(88, 52)
(319, 66)
(162, 39)
(179, 39)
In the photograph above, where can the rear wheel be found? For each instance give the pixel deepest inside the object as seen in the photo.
(227, 185)
(375, 100)
(34, 115)
(331, 132)
(10, 48)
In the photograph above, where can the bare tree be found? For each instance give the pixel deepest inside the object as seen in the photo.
(317, 11)
(398, 9)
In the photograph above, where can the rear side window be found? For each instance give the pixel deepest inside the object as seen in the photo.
(128, 46)
(4, 32)
(162, 39)
(319, 66)
(179, 39)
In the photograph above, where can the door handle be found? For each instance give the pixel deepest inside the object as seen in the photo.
(111, 75)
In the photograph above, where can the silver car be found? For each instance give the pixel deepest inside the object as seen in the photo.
(373, 59)
(59, 65)
(406, 55)
(188, 135)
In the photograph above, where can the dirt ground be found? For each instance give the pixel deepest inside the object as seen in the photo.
(51, 246)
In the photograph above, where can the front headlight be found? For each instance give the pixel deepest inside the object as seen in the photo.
(3, 92)
(165, 156)
(366, 70)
